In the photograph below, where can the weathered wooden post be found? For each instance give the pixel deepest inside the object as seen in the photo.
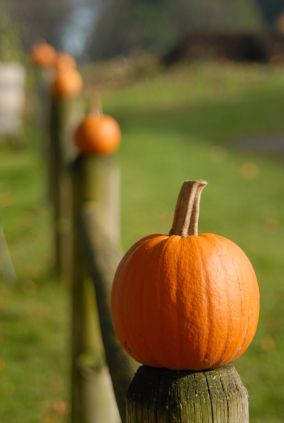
(103, 256)
(95, 179)
(43, 57)
(161, 395)
(43, 79)
(92, 394)
(186, 305)
(65, 113)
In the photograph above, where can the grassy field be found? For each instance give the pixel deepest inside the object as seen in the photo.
(33, 312)
(178, 124)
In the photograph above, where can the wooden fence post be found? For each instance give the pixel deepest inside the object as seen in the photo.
(6, 264)
(92, 394)
(161, 395)
(103, 256)
(43, 78)
(64, 115)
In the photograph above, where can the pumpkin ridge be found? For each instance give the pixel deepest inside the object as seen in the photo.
(155, 269)
(224, 351)
(161, 315)
(207, 304)
(247, 335)
(160, 307)
(143, 290)
(119, 305)
(244, 308)
(126, 287)
(130, 333)
(178, 307)
(242, 311)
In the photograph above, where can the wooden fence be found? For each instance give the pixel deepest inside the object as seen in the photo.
(105, 387)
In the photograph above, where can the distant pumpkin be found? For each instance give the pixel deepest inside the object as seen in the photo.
(67, 83)
(44, 55)
(98, 134)
(64, 61)
(185, 301)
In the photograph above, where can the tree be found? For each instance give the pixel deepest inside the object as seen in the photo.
(129, 25)
(271, 10)
(39, 20)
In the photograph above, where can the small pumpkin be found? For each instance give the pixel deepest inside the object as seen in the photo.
(44, 55)
(98, 134)
(185, 301)
(64, 61)
(67, 83)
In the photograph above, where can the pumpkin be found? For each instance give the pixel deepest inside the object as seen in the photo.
(44, 55)
(64, 61)
(67, 83)
(185, 301)
(98, 134)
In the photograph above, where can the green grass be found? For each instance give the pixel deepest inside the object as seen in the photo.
(33, 313)
(177, 125)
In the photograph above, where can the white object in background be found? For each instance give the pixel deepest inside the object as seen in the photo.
(12, 97)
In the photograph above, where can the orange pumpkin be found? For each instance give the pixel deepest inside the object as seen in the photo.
(67, 83)
(44, 55)
(64, 61)
(185, 301)
(98, 134)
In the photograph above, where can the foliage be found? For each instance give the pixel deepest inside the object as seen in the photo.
(39, 22)
(271, 9)
(133, 24)
(128, 25)
(125, 27)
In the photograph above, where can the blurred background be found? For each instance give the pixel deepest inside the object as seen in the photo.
(198, 89)
(99, 29)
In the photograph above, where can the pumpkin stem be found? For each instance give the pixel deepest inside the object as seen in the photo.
(97, 109)
(186, 215)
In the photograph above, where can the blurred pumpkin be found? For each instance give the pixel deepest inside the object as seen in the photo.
(44, 55)
(67, 83)
(98, 134)
(64, 61)
(185, 301)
